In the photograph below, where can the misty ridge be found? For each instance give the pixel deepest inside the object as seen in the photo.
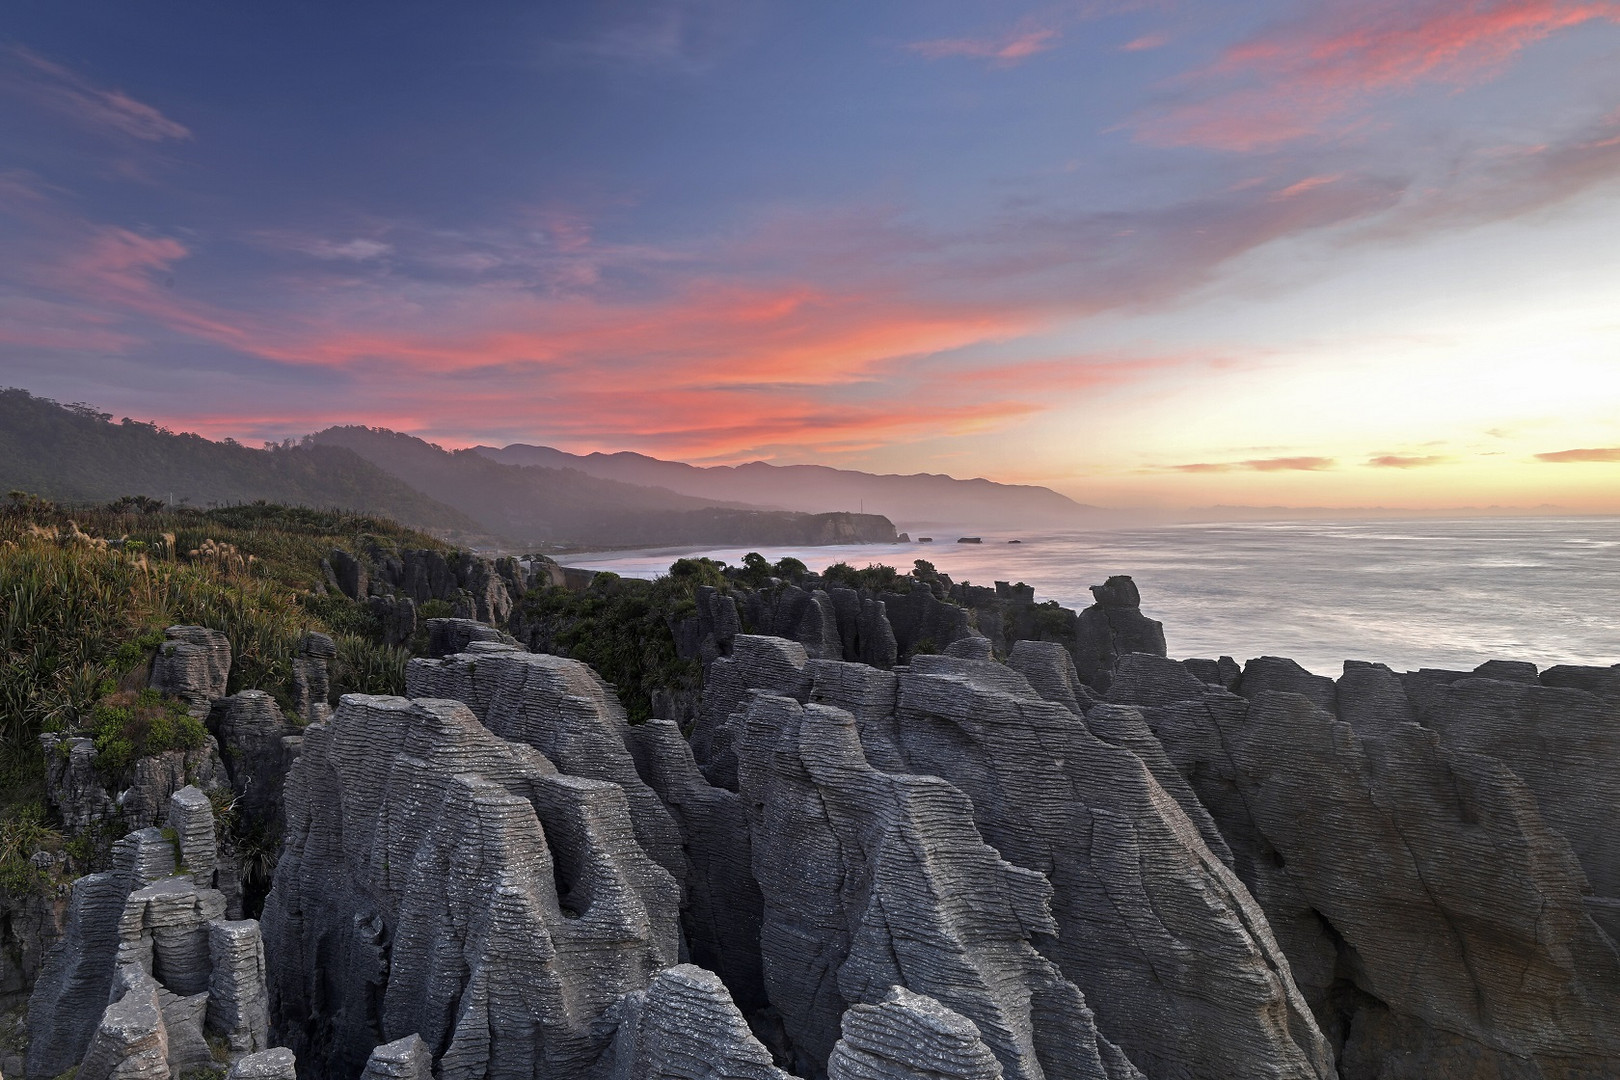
(519, 496)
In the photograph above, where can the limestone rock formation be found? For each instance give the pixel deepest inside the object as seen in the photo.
(563, 709)
(193, 664)
(440, 880)
(75, 789)
(684, 1026)
(258, 747)
(275, 1064)
(1111, 628)
(723, 908)
(873, 880)
(1134, 882)
(312, 681)
(146, 965)
(402, 1059)
(1434, 920)
(910, 1036)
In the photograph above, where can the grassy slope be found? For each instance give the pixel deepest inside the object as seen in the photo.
(80, 617)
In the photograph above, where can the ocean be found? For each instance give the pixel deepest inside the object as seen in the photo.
(1409, 593)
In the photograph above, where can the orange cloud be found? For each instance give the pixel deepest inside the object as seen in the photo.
(1309, 78)
(1397, 461)
(1604, 453)
(1281, 464)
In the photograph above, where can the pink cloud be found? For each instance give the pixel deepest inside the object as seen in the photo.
(53, 86)
(1400, 461)
(1312, 78)
(1308, 184)
(1600, 454)
(1145, 42)
(1006, 50)
(1279, 464)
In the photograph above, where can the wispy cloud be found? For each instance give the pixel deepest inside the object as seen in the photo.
(1277, 464)
(1007, 49)
(1401, 461)
(1314, 77)
(1601, 453)
(51, 86)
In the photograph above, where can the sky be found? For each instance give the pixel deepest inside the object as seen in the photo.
(1146, 252)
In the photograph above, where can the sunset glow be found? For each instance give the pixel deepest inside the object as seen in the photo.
(1345, 254)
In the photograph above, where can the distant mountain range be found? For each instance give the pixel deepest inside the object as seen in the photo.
(569, 506)
(914, 502)
(519, 496)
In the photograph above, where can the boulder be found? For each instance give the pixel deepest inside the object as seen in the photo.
(684, 1026)
(1113, 627)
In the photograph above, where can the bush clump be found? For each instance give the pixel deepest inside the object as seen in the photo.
(130, 724)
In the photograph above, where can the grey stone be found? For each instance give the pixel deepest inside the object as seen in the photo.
(403, 1059)
(1113, 627)
(193, 664)
(563, 709)
(441, 880)
(723, 908)
(684, 1026)
(873, 879)
(238, 1001)
(278, 1063)
(910, 1036)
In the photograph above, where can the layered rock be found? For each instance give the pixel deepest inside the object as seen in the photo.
(1111, 628)
(910, 1036)
(312, 680)
(440, 880)
(563, 709)
(723, 909)
(1435, 921)
(193, 664)
(142, 969)
(258, 747)
(402, 1059)
(684, 1026)
(1167, 944)
(873, 880)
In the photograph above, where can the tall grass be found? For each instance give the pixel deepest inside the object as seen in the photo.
(85, 594)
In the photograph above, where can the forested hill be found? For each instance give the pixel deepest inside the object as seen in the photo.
(74, 454)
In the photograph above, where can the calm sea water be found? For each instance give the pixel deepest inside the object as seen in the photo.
(1409, 593)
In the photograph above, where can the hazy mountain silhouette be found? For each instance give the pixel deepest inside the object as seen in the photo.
(912, 502)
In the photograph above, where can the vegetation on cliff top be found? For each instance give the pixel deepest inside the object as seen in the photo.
(85, 595)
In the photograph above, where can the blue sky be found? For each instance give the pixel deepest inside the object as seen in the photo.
(1294, 253)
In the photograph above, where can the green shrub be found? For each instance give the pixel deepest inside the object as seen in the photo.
(23, 831)
(367, 667)
(134, 724)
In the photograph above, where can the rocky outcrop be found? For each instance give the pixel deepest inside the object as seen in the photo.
(1113, 627)
(910, 1036)
(440, 880)
(258, 747)
(146, 965)
(684, 1026)
(873, 879)
(563, 709)
(275, 1064)
(193, 664)
(1434, 920)
(73, 786)
(402, 1059)
(446, 637)
(723, 908)
(312, 680)
(1134, 881)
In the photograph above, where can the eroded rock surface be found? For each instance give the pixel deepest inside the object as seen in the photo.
(440, 880)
